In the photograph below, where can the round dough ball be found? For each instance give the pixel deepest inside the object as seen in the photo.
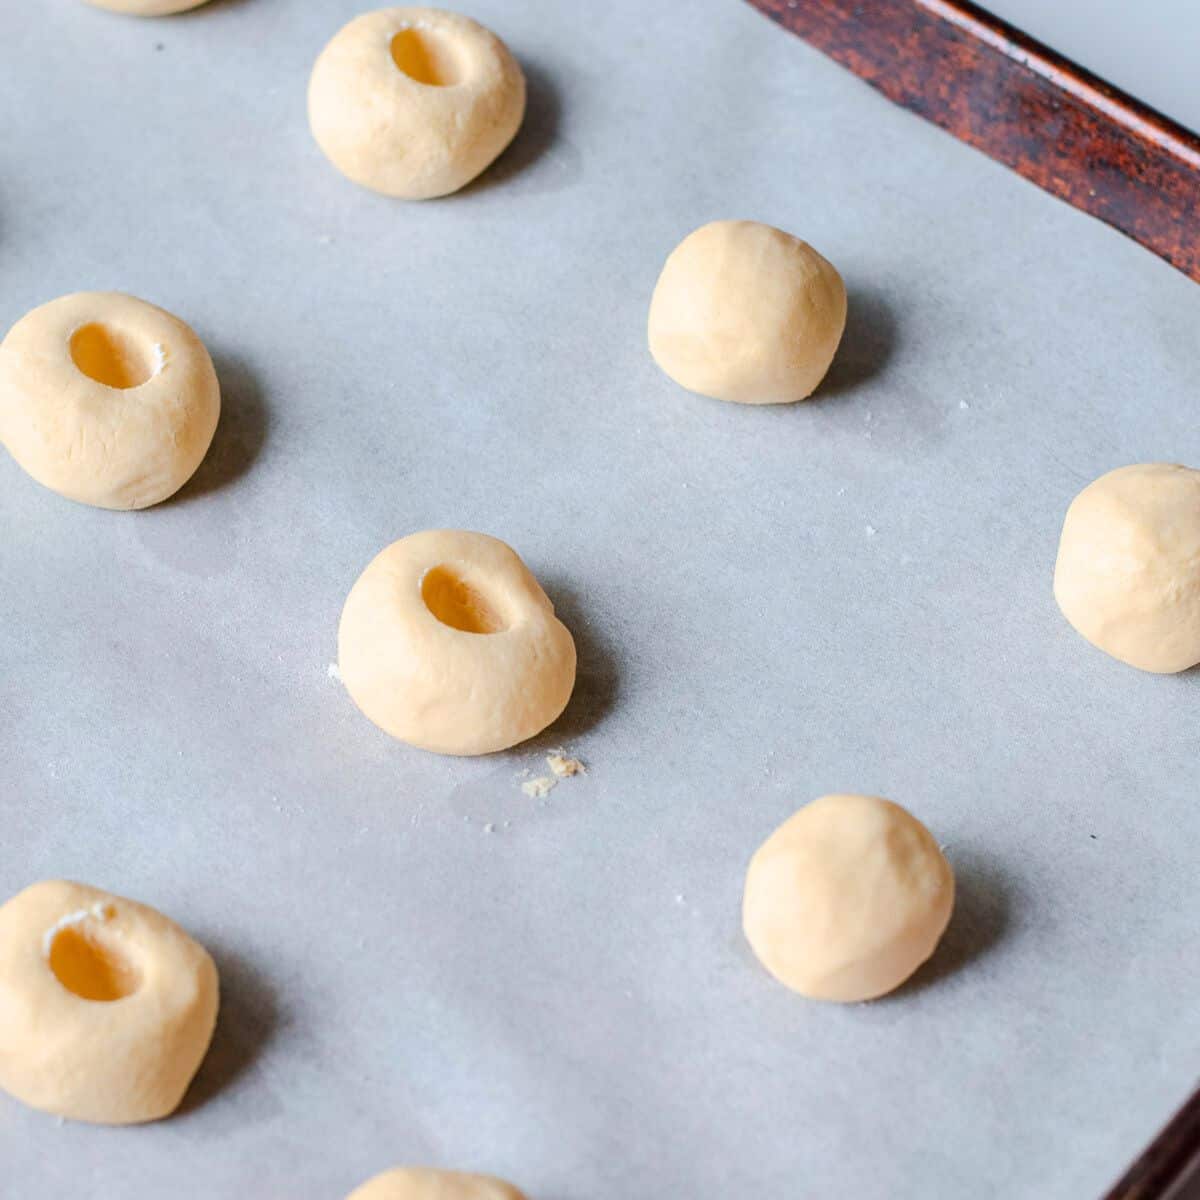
(147, 8)
(106, 1006)
(417, 1183)
(447, 642)
(415, 102)
(847, 898)
(748, 313)
(1128, 572)
(106, 399)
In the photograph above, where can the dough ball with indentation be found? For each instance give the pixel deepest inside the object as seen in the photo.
(1128, 571)
(748, 313)
(106, 1007)
(415, 102)
(147, 8)
(448, 642)
(847, 898)
(423, 1183)
(106, 399)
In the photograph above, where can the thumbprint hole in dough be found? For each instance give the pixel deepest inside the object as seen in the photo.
(113, 358)
(456, 603)
(426, 57)
(92, 969)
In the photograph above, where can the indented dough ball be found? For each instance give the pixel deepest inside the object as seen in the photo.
(447, 642)
(746, 312)
(147, 8)
(106, 399)
(847, 898)
(415, 102)
(418, 1183)
(1128, 572)
(106, 1006)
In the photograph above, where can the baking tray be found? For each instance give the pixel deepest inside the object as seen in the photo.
(1025, 105)
(848, 594)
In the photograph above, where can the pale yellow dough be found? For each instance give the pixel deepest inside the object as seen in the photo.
(449, 643)
(106, 399)
(748, 313)
(422, 1183)
(1128, 571)
(415, 102)
(426, 1183)
(147, 8)
(847, 898)
(106, 1006)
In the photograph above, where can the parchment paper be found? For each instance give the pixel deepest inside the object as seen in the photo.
(851, 594)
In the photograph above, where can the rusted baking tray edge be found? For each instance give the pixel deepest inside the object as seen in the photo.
(1170, 1160)
(1022, 104)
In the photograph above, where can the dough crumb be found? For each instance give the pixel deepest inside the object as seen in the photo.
(963, 404)
(539, 788)
(563, 766)
(489, 828)
(334, 673)
(870, 530)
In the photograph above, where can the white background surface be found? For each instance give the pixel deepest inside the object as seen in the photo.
(568, 1001)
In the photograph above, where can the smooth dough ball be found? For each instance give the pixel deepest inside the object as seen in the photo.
(106, 1006)
(415, 102)
(746, 312)
(417, 1183)
(1128, 572)
(106, 399)
(847, 898)
(449, 643)
(147, 8)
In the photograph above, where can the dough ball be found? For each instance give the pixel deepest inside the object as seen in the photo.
(847, 898)
(106, 1006)
(147, 8)
(447, 642)
(748, 313)
(415, 1183)
(415, 102)
(1128, 573)
(106, 399)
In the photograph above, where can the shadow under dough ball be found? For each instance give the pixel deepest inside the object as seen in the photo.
(415, 102)
(107, 400)
(1128, 570)
(745, 312)
(107, 1007)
